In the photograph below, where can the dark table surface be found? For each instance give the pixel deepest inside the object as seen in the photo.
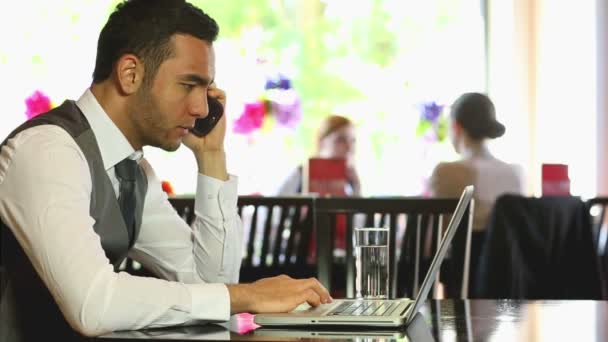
(438, 320)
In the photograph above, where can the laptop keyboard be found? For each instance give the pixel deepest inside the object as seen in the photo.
(365, 308)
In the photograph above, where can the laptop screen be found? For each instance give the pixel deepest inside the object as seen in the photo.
(465, 198)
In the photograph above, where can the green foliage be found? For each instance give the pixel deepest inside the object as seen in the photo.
(423, 127)
(380, 46)
(301, 25)
(442, 129)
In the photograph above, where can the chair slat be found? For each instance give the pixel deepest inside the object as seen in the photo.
(306, 234)
(293, 236)
(393, 228)
(600, 232)
(278, 240)
(266, 235)
(350, 258)
(248, 260)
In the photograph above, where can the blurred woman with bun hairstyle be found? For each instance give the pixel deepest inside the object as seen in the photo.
(473, 123)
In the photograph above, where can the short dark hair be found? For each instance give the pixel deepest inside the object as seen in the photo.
(145, 28)
(475, 112)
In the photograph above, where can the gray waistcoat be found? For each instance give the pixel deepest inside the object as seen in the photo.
(27, 309)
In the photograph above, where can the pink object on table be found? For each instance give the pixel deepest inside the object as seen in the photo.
(243, 323)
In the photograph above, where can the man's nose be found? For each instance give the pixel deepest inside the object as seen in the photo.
(199, 107)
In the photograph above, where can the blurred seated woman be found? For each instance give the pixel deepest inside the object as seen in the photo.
(473, 122)
(335, 139)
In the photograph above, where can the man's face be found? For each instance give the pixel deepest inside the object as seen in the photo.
(164, 111)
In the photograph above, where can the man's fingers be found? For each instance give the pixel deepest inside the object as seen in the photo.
(283, 293)
(321, 291)
(312, 298)
(217, 93)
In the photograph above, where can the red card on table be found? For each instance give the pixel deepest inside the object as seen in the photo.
(325, 176)
(555, 180)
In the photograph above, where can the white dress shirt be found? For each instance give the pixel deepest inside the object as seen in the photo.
(45, 193)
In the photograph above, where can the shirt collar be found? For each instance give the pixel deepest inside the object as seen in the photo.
(113, 145)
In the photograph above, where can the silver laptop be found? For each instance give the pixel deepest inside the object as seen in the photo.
(377, 313)
(284, 333)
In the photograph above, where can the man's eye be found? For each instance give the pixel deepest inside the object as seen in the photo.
(188, 86)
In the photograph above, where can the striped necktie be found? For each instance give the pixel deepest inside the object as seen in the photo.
(125, 172)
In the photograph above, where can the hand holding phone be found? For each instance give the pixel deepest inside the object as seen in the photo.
(205, 125)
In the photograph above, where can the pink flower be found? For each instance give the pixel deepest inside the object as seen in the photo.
(36, 104)
(251, 118)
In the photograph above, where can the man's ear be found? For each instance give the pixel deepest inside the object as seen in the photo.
(129, 74)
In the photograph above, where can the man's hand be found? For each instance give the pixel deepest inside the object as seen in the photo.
(214, 141)
(277, 294)
(209, 150)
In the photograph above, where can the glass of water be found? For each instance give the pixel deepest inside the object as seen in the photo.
(371, 258)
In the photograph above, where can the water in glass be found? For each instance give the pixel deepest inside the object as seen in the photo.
(372, 271)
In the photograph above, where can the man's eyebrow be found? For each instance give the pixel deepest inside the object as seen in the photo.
(204, 81)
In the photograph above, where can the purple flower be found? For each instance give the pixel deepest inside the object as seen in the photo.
(279, 82)
(36, 104)
(284, 83)
(432, 126)
(251, 118)
(431, 111)
(287, 107)
(270, 84)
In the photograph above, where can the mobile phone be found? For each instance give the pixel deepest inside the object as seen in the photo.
(203, 126)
